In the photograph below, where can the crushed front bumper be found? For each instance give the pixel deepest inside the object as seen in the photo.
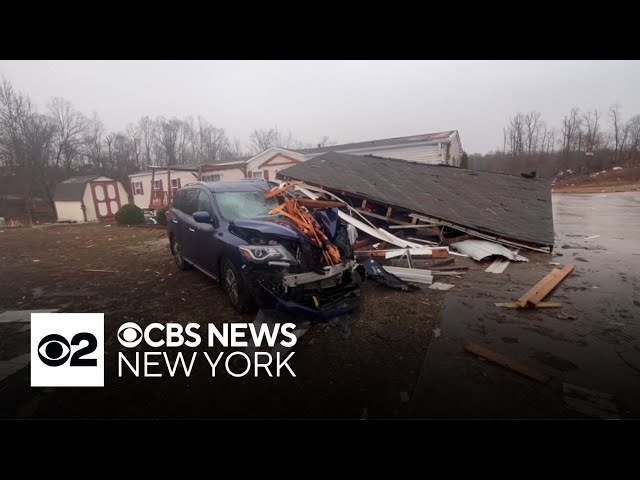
(311, 295)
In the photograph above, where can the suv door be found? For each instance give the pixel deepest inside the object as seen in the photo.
(207, 241)
(187, 225)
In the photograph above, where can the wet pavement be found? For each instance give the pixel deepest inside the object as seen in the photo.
(591, 342)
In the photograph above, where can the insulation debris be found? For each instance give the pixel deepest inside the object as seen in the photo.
(441, 286)
(480, 249)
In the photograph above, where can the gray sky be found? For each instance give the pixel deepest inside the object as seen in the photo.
(346, 100)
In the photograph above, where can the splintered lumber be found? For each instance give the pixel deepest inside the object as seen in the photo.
(506, 362)
(537, 305)
(545, 286)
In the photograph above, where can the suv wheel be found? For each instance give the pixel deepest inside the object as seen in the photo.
(235, 286)
(177, 255)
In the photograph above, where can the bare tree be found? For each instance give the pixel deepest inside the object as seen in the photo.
(618, 130)
(570, 130)
(592, 134)
(260, 140)
(69, 129)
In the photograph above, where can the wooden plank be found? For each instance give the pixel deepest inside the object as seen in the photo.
(538, 305)
(506, 362)
(545, 286)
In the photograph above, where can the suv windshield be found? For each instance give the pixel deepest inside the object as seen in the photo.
(244, 204)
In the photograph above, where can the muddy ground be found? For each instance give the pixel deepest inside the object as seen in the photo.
(46, 267)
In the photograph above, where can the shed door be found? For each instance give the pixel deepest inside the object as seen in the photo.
(106, 198)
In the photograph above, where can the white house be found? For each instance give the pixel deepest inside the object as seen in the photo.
(156, 188)
(87, 199)
(434, 148)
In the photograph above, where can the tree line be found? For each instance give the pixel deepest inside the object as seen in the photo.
(41, 148)
(583, 142)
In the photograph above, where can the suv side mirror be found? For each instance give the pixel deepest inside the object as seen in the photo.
(204, 217)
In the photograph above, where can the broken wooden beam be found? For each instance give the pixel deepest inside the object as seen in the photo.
(537, 305)
(506, 362)
(545, 286)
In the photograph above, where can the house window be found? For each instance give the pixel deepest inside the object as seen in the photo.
(175, 185)
(211, 178)
(257, 174)
(157, 184)
(137, 188)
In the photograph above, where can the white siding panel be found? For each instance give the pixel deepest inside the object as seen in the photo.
(230, 175)
(69, 211)
(455, 150)
(420, 153)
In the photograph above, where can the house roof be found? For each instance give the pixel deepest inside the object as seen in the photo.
(72, 189)
(503, 205)
(427, 137)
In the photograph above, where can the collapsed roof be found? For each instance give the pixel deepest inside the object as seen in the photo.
(509, 207)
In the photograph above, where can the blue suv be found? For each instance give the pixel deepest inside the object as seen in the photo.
(224, 230)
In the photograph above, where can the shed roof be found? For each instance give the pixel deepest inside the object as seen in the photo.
(503, 205)
(72, 189)
(385, 142)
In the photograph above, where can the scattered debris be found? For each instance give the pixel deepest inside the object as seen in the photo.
(506, 362)
(436, 332)
(566, 316)
(545, 286)
(417, 275)
(592, 236)
(441, 286)
(103, 271)
(384, 277)
(440, 252)
(589, 402)
(498, 266)
(23, 315)
(479, 249)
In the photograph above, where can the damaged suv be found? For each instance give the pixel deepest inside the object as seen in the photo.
(239, 233)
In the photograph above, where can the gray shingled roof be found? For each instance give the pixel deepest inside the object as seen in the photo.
(72, 189)
(503, 205)
(427, 137)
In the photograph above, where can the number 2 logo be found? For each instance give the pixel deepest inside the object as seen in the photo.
(54, 350)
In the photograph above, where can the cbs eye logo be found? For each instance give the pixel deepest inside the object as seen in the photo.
(54, 350)
(129, 335)
(63, 342)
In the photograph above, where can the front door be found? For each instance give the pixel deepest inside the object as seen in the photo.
(105, 198)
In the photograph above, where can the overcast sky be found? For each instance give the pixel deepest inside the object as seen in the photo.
(346, 100)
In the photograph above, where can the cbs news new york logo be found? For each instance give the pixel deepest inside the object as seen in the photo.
(67, 350)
